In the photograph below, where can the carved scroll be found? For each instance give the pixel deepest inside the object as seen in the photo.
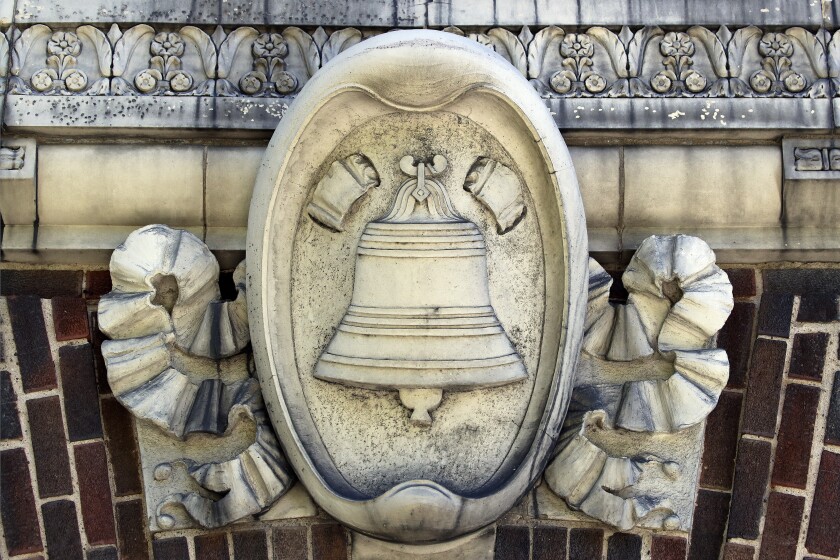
(346, 182)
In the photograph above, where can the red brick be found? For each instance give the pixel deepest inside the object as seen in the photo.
(61, 528)
(95, 493)
(793, 450)
(668, 548)
(250, 545)
(97, 283)
(42, 283)
(709, 524)
(736, 338)
(623, 546)
(329, 542)
(81, 399)
(549, 542)
(781, 527)
(122, 448)
(817, 308)
(17, 504)
(738, 552)
(131, 528)
(512, 542)
(37, 369)
(9, 417)
(721, 442)
(70, 318)
(774, 314)
(49, 445)
(752, 471)
(742, 280)
(174, 548)
(290, 543)
(586, 544)
(808, 356)
(765, 383)
(824, 528)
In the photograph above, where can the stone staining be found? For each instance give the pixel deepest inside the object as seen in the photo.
(168, 330)
(678, 300)
(434, 329)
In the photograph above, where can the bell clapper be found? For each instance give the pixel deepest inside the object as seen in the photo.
(421, 402)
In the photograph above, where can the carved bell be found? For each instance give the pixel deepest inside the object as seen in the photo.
(420, 319)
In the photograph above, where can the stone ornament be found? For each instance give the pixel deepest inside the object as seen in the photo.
(416, 369)
(170, 339)
(648, 367)
(345, 182)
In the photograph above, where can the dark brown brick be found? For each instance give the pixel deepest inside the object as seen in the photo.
(122, 448)
(96, 339)
(103, 553)
(49, 445)
(174, 548)
(709, 524)
(215, 547)
(721, 442)
(250, 545)
(132, 531)
(817, 308)
(17, 504)
(832, 427)
(734, 551)
(793, 450)
(69, 318)
(824, 527)
(9, 418)
(801, 281)
(668, 548)
(95, 493)
(37, 369)
(752, 471)
(623, 546)
(41, 283)
(97, 283)
(512, 542)
(81, 399)
(808, 355)
(742, 280)
(586, 544)
(765, 382)
(549, 542)
(736, 337)
(290, 542)
(781, 527)
(61, 528)
(774, 314)
(329, 542)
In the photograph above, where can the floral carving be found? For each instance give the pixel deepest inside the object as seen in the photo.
(164, 73)
(679, 76)
(578, 78)
(776, 75)
(269, 51)
(63, 48)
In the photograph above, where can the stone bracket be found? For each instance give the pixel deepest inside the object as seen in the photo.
(18, 181)
(811, 186)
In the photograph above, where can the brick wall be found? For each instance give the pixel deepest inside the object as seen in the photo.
(770, 481)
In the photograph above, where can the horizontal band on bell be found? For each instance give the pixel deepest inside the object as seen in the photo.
(422, 228)
(421, 244)
(451, 311)
(424, 330)
(422, 254)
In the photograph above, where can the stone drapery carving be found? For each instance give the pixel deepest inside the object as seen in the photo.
(170, 335)
(649, 62)
(678, 300)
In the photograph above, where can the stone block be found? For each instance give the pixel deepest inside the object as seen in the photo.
(793, 448)
(18, 182)
(811, 181)
(709, 524)
(598, 175)
(702, 186)
(781, 527)
(120, 185)
(751, 475)
(95, 493)
(17, 504)
(824, 526)
(49, 446)
(231, 172)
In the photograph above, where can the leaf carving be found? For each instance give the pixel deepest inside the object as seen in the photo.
(714, 49)
(206, 48)
(637, 48)
(304, 49)
(229, 48)
(340, 41)
(614, 47)
(511, 48)
(538, 49)
(738, 47)
(101, 44)
(24, 44)
(813, 48)
(834, 55)
(124, 49)
(4, 55)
